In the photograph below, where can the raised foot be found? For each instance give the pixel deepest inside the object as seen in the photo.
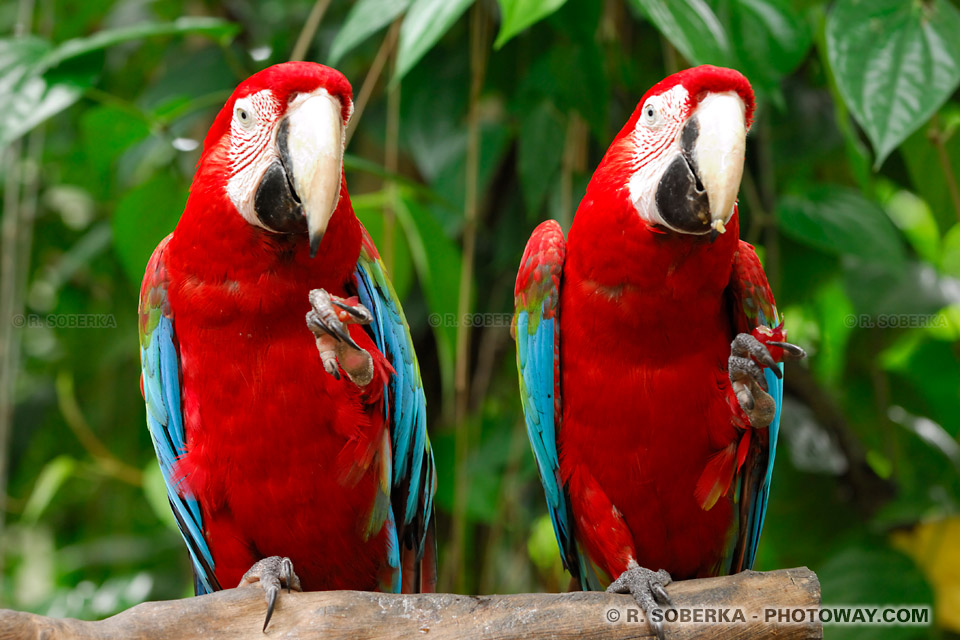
(328, 320)
(749, 355)
(271, 573)
(648, 589)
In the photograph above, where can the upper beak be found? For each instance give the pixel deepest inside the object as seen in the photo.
(698, 189)
(720, 151)
(312, 153)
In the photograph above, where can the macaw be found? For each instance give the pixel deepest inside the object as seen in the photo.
(286, 441)
(650, 352)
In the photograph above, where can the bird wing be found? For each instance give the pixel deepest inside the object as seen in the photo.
(752, 305)
(414, 474)
(160, 384)
(536, 329)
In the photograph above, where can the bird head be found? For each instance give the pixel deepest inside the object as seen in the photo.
(682, 150)
(278, 144)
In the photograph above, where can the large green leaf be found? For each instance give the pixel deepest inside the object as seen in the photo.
(841, 221)
(366, 17)
(769, 38)
(424, 24)
(902, 294)
(27, 98)
(212, 27)
(35, 84)
(691, 26)
(895, 63)
(517, 15)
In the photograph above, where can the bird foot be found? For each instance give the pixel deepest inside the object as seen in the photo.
(648, 590)
(749, 355)
(329, 320)
(271, 573)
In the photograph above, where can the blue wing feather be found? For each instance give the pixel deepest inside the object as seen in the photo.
(536, 332)
(413, 481)
(754, 306)
(160, 371)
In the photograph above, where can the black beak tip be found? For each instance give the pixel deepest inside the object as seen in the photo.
(315, 241)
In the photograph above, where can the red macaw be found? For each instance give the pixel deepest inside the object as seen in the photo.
(646, 422)
(273, 460)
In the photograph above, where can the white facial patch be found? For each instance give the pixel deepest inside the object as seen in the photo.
(657, 140)
(252, 149)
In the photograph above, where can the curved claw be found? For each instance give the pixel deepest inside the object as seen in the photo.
(648, 590)
(272, 573)
(271, 591)
(323, 317)
(359, 311)
(790, 350)
(329, 321)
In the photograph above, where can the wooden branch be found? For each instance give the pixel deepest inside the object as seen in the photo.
(331, 615)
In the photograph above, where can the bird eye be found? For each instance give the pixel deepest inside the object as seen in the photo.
(650, 114)
(243, 116)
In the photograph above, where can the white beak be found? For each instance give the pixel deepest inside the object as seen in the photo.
(315, 150)
(720, 151)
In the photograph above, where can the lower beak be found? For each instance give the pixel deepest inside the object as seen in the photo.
(699, 188)
(313, 155)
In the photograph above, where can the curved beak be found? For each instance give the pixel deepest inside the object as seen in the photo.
(698, 189)
(312, 152)
(720, 152)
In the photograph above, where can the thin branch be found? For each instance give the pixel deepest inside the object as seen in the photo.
(479, 46)
(73, 415)
(373, 76)
(309, 29)
(391, 160)
(939, 139)
(11, 305)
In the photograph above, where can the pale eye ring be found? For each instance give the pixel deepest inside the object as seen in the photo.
(244, 117)
(651, 115)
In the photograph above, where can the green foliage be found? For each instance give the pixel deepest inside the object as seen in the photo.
(365, 19)
(841, 221)
(517, 15)
(896, 63)
(692, 27)
(424, 24)
(112, 100)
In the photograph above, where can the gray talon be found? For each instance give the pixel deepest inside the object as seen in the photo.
(336, 346)
(790, 350)
(748, 358)
(648, 590)
(271, 573)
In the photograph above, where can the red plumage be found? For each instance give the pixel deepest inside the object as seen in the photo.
(650, 436)
(283, 458)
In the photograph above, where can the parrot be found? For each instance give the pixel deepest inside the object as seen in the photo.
(283, 395)
(650, 351)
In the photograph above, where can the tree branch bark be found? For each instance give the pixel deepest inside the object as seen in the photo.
(332, 615)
